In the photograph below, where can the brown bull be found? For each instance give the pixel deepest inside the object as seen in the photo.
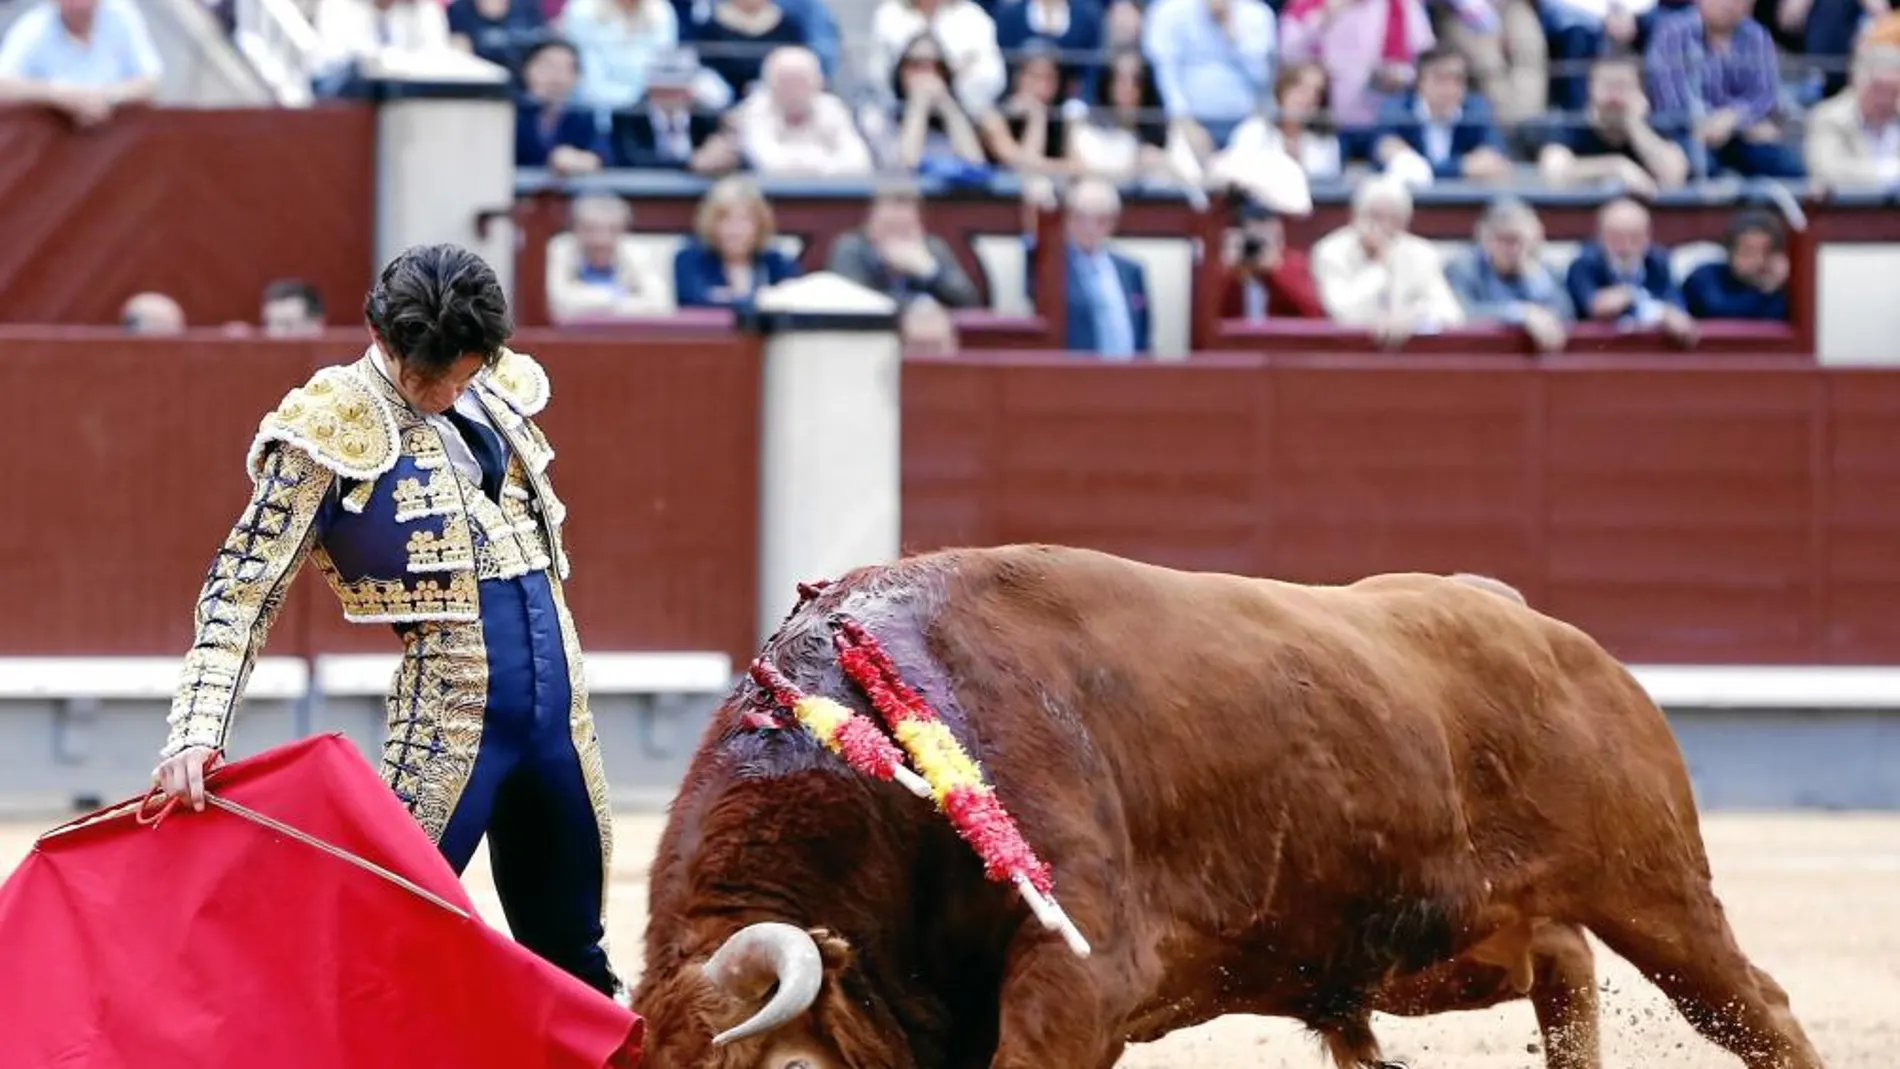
(1410, 794)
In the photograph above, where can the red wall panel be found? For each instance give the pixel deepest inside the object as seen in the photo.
(125, 468)
(1391, 465)
(207, 205)
(126, 457)
(1680, 509)
(1858, 518)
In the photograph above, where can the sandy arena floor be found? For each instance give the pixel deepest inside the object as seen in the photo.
(1815, 900)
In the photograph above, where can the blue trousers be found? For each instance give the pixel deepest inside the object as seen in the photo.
(526, 791)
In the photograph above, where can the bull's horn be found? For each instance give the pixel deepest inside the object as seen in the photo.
(768, 948)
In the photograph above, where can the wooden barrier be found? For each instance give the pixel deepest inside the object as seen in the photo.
(128, 454)
(206, 205)
(1683, 509)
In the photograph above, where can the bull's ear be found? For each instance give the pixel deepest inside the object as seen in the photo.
(833, 948)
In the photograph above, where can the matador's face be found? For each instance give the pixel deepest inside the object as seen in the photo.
(436, 394)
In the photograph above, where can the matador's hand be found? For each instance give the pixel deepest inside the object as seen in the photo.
(182, 775)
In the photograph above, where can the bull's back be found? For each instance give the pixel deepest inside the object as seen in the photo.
(1205, 722)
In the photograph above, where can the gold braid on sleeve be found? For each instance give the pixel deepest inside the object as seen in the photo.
(243, 592)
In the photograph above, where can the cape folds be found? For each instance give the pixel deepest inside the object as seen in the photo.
(214, 940)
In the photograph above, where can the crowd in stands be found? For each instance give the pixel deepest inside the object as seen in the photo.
(288, 308)
(1633, 97)
(1642, 94)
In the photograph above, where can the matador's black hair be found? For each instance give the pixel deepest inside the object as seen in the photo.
(434, 304)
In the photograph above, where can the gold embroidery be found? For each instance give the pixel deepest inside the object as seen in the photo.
(437, 497)
(587, 746)
(337, 420)
(518, 380)
(392, 601)
(449, 551)
(358, 499)
(435, 710)
(242, 593)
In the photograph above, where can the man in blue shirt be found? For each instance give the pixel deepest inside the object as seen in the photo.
(1753, 283)
(83, 57)
(1505, 280)
(1210, 60)
(1106, 302)
(1443, 123)
(1624, 278)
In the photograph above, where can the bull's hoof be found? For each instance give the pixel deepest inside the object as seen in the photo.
(1391, 1065)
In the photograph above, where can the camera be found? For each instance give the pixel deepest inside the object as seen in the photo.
(1252, 246)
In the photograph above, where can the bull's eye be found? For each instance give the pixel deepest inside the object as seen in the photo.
(796, 1063)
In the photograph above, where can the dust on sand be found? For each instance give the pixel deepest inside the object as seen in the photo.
(1814, 899)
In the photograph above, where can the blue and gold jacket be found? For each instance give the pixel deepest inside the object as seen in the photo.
(345, 473)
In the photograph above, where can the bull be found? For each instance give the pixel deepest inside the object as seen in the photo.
(1412, 794)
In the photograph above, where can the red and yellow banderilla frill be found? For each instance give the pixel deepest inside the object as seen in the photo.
(949, 775)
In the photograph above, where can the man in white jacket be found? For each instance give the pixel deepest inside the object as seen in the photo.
(1373, 274)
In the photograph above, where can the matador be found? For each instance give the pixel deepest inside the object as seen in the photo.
(417, 481)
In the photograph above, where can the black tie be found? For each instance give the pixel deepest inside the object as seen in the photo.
(489, 451)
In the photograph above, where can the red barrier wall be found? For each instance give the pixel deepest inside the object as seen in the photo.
(127, 469)
(205, 205)
(1680, 510)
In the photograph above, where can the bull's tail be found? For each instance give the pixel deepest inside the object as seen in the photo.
(1496, 586)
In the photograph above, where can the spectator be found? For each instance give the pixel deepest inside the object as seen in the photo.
(152, 313)
(933, 133)
(667, 130)
(1298, 127)
(1578, 31)
(1502, 42)
(791, 127)
(618, 41)
(1753, 283)
(963, 30)
(730, 257)
(1121, 26)
(1124, 137)
(1211, 62)
(1442, 123)
(350, 31)
(597, 269)
(1615, 142)
(550, 129)
(1373, 274)
(821, 28)
(291, 308)
(86, 58)
(1107, 298)
(502, 32)
(893, 253)
(1505, 279)
(1853, 139)
(736, 36)
(1066, 28)
(1265, 279)
(926, 329)
(1366, 47)
(1623, 278)
(1026, 131)
(1824, 33)
(1715, 70)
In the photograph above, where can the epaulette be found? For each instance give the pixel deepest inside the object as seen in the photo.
(519, 382)
(338, 420)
